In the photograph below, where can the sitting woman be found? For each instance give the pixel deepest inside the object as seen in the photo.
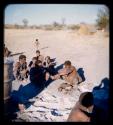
(49, 65)
(83, 109)
(38, 74)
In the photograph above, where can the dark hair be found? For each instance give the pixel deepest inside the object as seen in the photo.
(37, 62)
(48, 57)
(22, 56)
(6, 50)
(67, 62)
(37, 51)
(34, 58)
(86, 99)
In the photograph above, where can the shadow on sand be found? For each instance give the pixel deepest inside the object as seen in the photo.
(81, 74)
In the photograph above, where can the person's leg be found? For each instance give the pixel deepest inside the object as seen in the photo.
(47, 75)
(57, 76)
(21, 107)
(72, 81)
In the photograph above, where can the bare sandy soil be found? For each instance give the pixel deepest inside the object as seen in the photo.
(90, 52)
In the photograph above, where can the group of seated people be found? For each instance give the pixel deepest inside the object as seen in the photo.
(37, 70)
(41, 69)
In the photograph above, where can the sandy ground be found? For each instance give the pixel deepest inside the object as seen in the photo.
(90, 52)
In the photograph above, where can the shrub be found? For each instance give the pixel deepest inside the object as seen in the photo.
(103, 18)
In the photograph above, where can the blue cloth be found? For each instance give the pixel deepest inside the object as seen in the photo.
(25, 93)
(32, 89)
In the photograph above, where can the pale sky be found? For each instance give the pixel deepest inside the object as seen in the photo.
(48, 13)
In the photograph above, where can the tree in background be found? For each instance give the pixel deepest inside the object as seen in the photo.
(16, 26)
(25, 22)
(55, 24)
(103, 18)
(63, 21)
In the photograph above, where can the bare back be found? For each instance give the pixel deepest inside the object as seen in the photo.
(77, 115)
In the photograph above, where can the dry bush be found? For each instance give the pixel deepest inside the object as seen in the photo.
(73, 27)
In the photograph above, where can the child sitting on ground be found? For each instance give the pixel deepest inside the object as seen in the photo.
(49, 65)
(20, 69)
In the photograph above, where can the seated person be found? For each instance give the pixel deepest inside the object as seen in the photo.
(20, 69)
(83, 109)
(32, 63)
(39, 57)
(49, 65)
(38, 75)
(68, 73)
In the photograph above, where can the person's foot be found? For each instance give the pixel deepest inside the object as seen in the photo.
(47, 76)
(52, 77)
(24, 81)
(21, 107)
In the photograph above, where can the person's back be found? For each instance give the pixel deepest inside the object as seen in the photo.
(37, 75)
(78, 116)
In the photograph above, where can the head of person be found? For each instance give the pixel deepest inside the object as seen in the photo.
(48, 59)
(38, 63)
(37, 40)
(86, 99)
(34, 59)
(22, 59)
(67, 64)
(6, 52)
(37, 53)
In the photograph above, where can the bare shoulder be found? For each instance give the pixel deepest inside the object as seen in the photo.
(17, 63)
(73, 68)
(74, 115)
(78, 116)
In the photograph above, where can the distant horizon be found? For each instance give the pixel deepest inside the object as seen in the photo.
(46, 14)
(49, 24)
